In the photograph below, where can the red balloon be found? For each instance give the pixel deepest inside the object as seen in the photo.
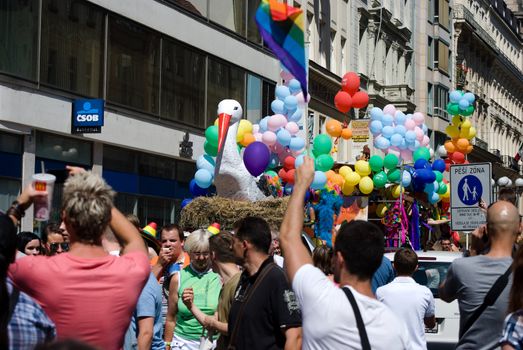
(458, 157)
(350, 83)
(290, 176)
(288, 162)
(343, 101)
(447, 167)
(283, 175)
(360, 99)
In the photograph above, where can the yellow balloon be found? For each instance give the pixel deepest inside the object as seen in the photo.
(216, 122)
(245, 126)
(472, 133)
(344, 170)
(396, 191)
(347, 189)
(352, 179)
(362, 168)
(366, 185)
(452, 131)
(239, 136)
(456, 120)
(466, 124)
(381, 209)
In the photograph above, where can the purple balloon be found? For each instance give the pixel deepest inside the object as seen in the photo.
(256, 157)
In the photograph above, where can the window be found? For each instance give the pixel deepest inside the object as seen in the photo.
(430, 6)
(183, 84)
(158, 210)
(430, 53)
(185, 171)
(430, 99)
(253, 34)
(224, 81)
(230, 14)
(442, 13)
(254, 96)
(11, 143)
(441, 98)
(198, 7)
(441, 54)
(63, 149)
(19, 37)
(134, 65)
(156, 166)
(267, 97)
(9, 190)
(72, 46)
(119, 159)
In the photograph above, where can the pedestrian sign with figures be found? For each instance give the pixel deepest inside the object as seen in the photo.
(469, 185)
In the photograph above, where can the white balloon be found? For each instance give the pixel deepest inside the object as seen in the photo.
(442, 152)
(509, 184)
(503, 181)
(519, 182)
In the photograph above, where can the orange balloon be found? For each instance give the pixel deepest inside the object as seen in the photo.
(333, 128)
(469, 149)
(330, 175)
(450, 147)
(248, 138)
(346, 133)
(338, 180)
(462, 144)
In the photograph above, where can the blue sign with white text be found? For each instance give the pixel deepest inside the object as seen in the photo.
(470, 190)
(88, 113)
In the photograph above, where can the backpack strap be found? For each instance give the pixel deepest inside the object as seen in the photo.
(365, 345)
(490, 299)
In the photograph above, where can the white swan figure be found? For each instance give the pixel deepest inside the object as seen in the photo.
(231, 178)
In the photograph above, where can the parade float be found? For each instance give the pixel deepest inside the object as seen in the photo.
(249, 169)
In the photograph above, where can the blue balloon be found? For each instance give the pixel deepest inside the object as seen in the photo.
(381, 142)
(291, 102)
(387, 120)
(281, 92)
(203, 178)
(294, 86)
(284, 137)
(387, 131)
(414, 146)
(185, 202)
(403, 144)
(410, 136)
(436, 186)
(273, 161)
(439, 165)
(196, 190)
(395, 140)
(307, 196)
(288, 189)
(424, 128)
(205, 161)
(278, 107)
(299, 161)
(375, 127)
(296, 143)
(433, 198)
(376, 113)
(454, 96)
(296, 116)
(429, 188)
(406, 178)
(319, 181)
(420, 164)
(463, 104)
(400, 129)
(263, 124)
(469, 96)
(425, 175)
(400, 118)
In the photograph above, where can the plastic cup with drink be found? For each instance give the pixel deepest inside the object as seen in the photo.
(42, 205)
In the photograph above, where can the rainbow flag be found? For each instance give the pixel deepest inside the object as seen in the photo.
(282, 28)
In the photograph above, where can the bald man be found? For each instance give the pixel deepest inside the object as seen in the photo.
(469, 280)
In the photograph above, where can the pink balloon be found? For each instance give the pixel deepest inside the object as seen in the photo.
(297, 153)
(292, 127)
(277, 147)
(273, 123)
(418, 118)
(258, 136)
(269, 138)
(406, 155)
(419, 133)
(389, 109)
(287, 76)
(301, 100)
(255, 128)
(396, 151)
(409, 124)
(425, 141)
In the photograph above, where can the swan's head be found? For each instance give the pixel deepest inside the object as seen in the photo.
(229, 112)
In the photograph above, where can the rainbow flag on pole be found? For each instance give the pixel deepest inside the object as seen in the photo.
(282, 28)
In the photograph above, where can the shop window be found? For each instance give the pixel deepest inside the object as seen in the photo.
(126, 203)
(156, 166)
(67, 150)
(224, 82)
(230, 14)
(119, 159)
(267, 97)
(183, 84)
(159, 210)
(72, 46)
(134, 65)
(254, 96)
(19, 37)
(11, 143)
(185, 171)
(9, 190)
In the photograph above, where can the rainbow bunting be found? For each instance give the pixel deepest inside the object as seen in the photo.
(282, 27)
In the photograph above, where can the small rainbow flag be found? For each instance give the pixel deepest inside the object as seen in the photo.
(282, 28)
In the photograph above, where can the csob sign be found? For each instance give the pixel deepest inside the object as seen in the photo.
(469, 184)
(88, 116)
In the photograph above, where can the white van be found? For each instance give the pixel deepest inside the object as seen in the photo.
(433, 266)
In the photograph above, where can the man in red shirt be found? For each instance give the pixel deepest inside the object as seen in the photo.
(89, 294)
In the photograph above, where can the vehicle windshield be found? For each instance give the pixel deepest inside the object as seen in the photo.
(431, 274)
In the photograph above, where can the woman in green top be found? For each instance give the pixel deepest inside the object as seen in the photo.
(205, 285)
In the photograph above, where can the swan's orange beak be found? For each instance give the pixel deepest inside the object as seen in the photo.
(223, 128)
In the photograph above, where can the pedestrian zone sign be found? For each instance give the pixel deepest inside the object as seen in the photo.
(469, 184)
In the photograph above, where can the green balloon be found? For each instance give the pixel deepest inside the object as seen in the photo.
(439, 176)
(442, 188)
(421, 153)
(376, 163)
(390, 161)
(324, 162)
(394, 175)
(380, 179)
(211, 135)
(468, 111)
(322, 144)
(453, 108)
(210, 149)
(271, 173)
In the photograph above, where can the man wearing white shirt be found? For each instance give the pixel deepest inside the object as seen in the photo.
(410, 301)
(329, 319)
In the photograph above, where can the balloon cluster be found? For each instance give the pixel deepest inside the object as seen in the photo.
(398, 133)
(336, 129)
(461, 103)
(460, 130)
(428, 177)
(350, 95)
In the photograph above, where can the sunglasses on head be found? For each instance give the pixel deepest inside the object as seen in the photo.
(54, 247)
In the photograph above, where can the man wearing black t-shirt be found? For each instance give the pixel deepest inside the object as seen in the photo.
(265, 313)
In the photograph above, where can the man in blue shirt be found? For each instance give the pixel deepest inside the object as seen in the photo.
(383, 275)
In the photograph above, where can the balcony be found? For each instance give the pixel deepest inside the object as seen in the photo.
(462, 13)
(480, 143)
(510, 162)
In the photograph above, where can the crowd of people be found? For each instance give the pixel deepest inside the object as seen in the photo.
(96, 280)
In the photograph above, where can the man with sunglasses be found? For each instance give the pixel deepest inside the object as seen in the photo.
(53, 240)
